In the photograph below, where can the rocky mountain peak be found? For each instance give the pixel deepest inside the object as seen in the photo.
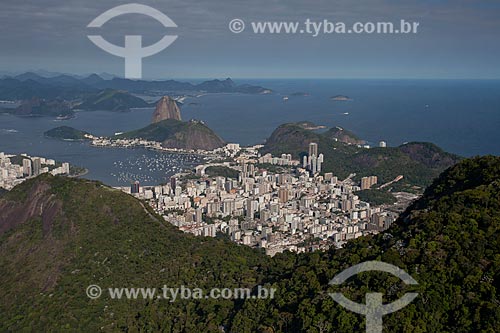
(166, 108)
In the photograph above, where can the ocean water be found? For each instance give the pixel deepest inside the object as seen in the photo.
(461, 116)
(113, 166)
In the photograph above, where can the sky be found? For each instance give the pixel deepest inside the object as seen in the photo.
(456, 39)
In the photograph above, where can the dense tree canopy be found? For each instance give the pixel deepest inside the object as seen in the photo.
(86, 233)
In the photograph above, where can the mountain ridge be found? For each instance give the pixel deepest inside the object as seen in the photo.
(29, 85)
(111, 100)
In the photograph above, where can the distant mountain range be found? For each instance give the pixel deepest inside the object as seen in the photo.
(29, 85)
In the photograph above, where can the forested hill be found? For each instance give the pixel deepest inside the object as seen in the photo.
(59, 235)
(418, 162)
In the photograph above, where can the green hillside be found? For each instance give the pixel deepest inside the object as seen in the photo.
(65, 133)
(221, 171)
(83, 233)
(87, 233)
(111, 100)
(178, 134)
(418, 162)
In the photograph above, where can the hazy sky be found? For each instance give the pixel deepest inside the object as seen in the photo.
(456, 39)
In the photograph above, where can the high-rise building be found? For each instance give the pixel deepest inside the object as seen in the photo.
(368, 182)
(228, 207)
(251, 170)
(283, 195)
(313, 149)
(250, 210)
(135, 187)
(198, 215)
(228, 186)
(365, 183)
(314, 161)
(37, 166)
(27, 171)
(320, 162)
(244, 171)
(65, 167)
(173, 183)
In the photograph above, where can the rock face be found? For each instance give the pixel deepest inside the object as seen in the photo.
(166, 108)
(38, 204)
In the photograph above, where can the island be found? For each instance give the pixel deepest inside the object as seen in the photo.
(341, 98)
(66, 133)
